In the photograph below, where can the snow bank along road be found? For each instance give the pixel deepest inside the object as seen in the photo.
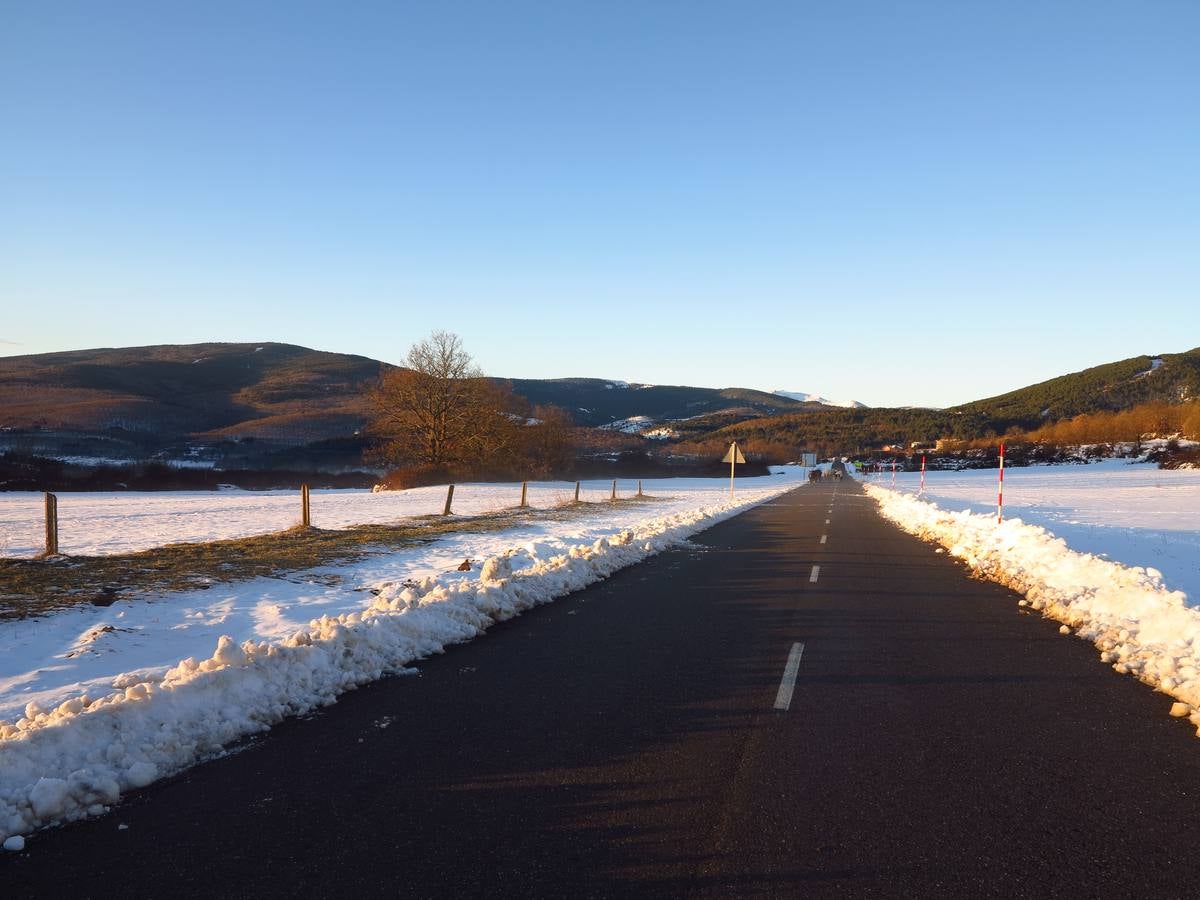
(1144, 621)
(1136, 514)
(95, 701)
(761, 712)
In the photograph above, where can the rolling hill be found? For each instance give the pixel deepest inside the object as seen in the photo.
(194, 390)
(597, 402)
(274, 405)
(265, 403)
(1168, 378)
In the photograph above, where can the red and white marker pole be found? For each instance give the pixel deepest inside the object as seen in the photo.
(922, 490)
(1000, 492)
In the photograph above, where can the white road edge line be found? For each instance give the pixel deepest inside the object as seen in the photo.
(812, 579)
(783, 699)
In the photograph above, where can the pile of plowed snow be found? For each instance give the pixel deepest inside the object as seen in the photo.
(1139, 624)
(76, 759)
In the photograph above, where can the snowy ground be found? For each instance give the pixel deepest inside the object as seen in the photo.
(1110, 550)
(1135, 514)
(101, 523)
(95, 701)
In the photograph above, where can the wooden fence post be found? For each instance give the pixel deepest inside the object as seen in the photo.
(524, 494)
(577, 492)
(640, 494)
(305, 507)
(614, 493)
(51, 525)
(449, 500)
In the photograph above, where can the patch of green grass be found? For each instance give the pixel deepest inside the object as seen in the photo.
(32, 587)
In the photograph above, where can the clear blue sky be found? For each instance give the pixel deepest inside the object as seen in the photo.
(902, 203)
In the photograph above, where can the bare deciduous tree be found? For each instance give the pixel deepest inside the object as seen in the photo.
(440, 412)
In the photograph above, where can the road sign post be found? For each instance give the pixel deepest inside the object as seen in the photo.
(733, 457)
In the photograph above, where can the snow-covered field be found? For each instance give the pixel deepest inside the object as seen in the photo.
(96, 701)
(102, 523)
(1110, 550)
(1135, 514)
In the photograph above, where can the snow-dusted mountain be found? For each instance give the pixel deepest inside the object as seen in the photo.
(815, 398)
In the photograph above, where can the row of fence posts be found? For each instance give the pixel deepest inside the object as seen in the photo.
(51, 508)
(524, 504)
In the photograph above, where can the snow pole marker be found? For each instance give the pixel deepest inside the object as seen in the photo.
(305, 507)
(1000, 490)
(449, 500)
(921, 490)
(893, 474)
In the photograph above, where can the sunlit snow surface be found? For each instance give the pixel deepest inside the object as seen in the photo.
(1135, 514)
(1138, 607)
(96, 701)
(93, 524)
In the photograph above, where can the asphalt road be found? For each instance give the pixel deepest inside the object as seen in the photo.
(629, 741)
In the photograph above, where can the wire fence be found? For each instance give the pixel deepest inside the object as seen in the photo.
(83, 524)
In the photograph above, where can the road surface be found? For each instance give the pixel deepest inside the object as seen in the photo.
(807, 702)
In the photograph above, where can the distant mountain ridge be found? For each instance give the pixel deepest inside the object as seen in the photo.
(1166, 378)
(169, 400)
(816, 398)
(210, 390)
(221, 401)
(596, 401)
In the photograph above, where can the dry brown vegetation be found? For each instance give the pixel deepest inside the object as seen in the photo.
(1145, 420)
(1142, 422)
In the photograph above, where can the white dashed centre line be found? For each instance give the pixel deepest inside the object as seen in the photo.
(784, 698)
(812, 579)
(823, 538)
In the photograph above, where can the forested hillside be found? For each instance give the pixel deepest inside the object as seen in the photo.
(1169, 378)
(278, 405)
(594, 402)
